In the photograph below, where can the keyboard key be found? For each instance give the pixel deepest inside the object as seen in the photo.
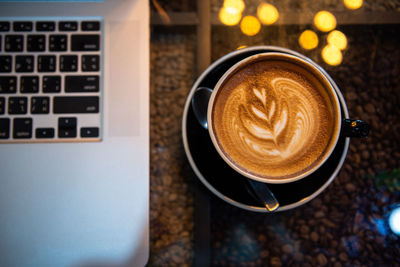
(24, 63)
(2, 105)
(22, 26)
(22, 128)
(58, 43)
(67, 127)
(44, 133)
(47, 63)
(68, 63)
(90, 25)
(17, 105)
(90, 63)
(5, 63)
(51, 84)
(81, 84)
(40, 105)
(76, 104)
(29, 84)
(90, 132)
(8, 84)
(4, 128)
(36, 43)
(68, 26)
(14, 43)
(89, 42)
(4, 26)
(44, 26)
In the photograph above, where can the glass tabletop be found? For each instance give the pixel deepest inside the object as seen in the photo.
(355, 221)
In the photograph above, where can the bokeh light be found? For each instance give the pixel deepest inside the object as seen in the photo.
(229, 16)
(237, 4)
(332, 55)
(338, 39)
(394, 221)
(308, 40)
(241, 47)
(325, 21)
(250, 25)
(267, 13)
(353, 4)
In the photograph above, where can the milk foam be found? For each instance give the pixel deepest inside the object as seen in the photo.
(273, 122)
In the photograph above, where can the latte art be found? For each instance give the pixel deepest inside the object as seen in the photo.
(269, 122)
(272, 121)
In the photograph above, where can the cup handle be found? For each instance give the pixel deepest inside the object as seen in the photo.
(354, 128)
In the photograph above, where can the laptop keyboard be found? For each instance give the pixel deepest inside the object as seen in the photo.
(50, 80)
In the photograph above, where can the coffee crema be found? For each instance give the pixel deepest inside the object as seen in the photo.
(273, 119)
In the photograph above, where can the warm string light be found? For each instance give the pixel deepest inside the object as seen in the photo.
(308, 40)
(332, 55)
(338, 39)
(237, 4)
(250, 25)
(325, 21)
(353, 4)
(267, 13)
(231, 14)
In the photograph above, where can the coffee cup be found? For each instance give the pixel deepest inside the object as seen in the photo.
(274, 117)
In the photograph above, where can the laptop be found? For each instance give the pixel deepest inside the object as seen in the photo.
(74, 133)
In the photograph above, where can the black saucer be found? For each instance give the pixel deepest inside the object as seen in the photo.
(228, 184)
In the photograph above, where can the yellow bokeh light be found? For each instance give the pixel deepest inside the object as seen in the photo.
(267, 13)
(325, 21)
(241, 47)
(237, 4)
(338, 39)
(229, 16)
(332, 55)
(353, 4)
(308, 40)
(250, 25)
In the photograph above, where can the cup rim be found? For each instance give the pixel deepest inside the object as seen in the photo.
(311, 67)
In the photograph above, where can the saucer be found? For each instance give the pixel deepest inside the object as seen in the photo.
(221, 179)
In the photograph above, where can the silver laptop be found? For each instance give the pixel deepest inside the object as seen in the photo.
(74, 134)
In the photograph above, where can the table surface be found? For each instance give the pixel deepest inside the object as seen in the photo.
(346, 225)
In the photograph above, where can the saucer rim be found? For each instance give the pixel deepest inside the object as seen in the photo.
(205, 181)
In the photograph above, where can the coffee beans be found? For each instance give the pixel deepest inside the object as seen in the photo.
(314, 236)
(322, 260)
(171, 199)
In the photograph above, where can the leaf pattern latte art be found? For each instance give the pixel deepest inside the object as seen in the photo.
(277, 118)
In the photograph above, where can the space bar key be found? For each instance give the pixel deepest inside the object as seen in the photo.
(76, 104)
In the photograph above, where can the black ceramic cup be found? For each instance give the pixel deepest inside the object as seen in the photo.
(230, 184)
